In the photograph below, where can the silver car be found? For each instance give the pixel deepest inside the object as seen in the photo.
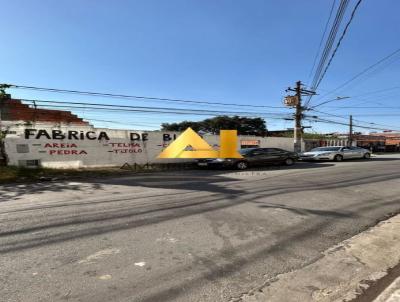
(336, 153)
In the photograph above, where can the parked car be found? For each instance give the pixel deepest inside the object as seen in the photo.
(336, 153)
(252, 157)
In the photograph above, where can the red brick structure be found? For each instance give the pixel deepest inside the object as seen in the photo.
(392, 141)
(392, 138)
(15, 110)
(386, 141)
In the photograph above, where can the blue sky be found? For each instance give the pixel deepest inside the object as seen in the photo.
(245, 52)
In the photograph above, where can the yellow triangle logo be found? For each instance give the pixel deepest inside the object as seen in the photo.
(178, 148)
(190, 145)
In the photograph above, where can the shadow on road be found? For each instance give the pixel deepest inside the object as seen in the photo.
(378, 158)
(211, 192)
(198, 192)
(187, 179)
(297, 166)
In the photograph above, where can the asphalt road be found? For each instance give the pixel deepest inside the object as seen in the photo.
(183, 236)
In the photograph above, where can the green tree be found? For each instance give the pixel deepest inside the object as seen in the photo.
(244, 125)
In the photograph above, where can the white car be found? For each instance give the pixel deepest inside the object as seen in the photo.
(336, 153)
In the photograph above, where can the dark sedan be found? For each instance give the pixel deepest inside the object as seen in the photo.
(252, 157)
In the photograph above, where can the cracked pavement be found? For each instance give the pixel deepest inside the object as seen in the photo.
(184, 236)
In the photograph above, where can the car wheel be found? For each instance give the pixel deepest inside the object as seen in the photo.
(338, 158)
(242, 165)
(289, 161)
(367, 155)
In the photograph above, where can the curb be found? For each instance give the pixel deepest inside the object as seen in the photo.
(390, 294)
(343, 273)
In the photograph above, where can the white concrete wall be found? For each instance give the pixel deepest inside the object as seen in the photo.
(116, 151)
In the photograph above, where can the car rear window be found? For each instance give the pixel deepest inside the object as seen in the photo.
(327, 149)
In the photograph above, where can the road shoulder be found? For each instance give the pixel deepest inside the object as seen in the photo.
(343, 273)
(391, 293)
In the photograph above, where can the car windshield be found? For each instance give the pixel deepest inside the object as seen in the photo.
(326, 149)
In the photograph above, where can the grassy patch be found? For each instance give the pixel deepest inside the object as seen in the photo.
(17, 174)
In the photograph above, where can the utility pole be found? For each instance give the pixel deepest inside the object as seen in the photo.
(297, 120)
(351, 130)
(3, 97)
(295, 101)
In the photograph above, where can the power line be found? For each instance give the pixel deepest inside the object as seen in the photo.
(122, 123)
(374, 96)
(316, 119)
(130, 109)
(339, 41)
(39, 114)
(382, 114)
(136, 97)
(357, 120)
(328, 101)
(58, 111)
(365, 70)
(370, 128)
(372, 123)
(374, 101)
(364, 107)
(329, 41)
(149, 109)
(376, 91)
(328, 44)
(162, 112)
(364, 100)
(322, 38)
